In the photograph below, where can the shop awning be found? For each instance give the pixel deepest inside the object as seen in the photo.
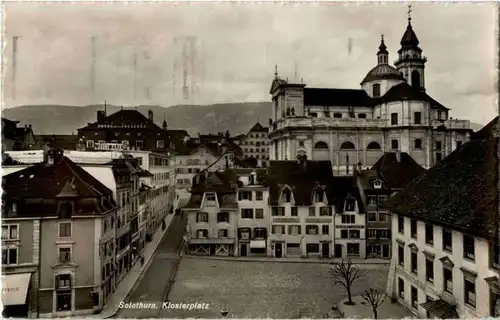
(15, 288)
(257, 244)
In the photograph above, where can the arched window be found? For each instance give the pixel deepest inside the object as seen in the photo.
(415, 79)
(373, 146)
(376, 90)
(347, 146)
(321, 145)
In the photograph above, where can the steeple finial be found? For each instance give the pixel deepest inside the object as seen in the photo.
(276, 71)
(409, 14)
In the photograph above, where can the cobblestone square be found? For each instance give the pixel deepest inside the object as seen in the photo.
(262, 290)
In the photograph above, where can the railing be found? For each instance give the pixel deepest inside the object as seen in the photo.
(330, 122)
(452, 124)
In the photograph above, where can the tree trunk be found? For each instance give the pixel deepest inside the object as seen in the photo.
(349, 295)
(375, 314)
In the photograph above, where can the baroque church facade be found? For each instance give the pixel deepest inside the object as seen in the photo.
(353, 127)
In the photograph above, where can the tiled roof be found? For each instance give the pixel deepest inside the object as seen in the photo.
(258, 128)
(224, 184)
(126, 116)
(59, 141)
(460, 192)
(397, 174)
(491, 129)
(335, 97)
(404, 91)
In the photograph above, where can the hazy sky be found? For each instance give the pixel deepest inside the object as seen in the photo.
(235, 48)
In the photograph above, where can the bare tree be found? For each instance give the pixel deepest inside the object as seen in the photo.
(344, 274)
(375, 298)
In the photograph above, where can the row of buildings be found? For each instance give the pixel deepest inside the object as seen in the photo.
(296, 208)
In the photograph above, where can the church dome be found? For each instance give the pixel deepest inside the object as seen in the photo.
(383, 72)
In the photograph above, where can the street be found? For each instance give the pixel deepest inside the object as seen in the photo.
(155, 283)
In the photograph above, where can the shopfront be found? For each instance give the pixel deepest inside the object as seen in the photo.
(15, 297)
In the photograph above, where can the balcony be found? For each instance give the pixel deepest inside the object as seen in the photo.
(309, 122)
(286, 219)
(212, 240)
(452, 124)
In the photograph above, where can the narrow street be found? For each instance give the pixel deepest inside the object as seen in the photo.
(155, 283)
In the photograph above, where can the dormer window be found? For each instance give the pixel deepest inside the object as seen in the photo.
(350, 204)
(377, 184)
(65, 210)
(14, 207)
(319, 196)
(286, 195)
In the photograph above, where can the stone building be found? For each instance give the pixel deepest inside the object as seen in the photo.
(255, 144)
(391, 112)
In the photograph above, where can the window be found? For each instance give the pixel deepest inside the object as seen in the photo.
(362, 115)
(294, 230)
(64, 255)
(348, 219)
(259, 213)
(312, 211)
(311, 229)
(259, 233)
(414, 297)
(401, 255)
(278, 229)
(63, 281)
(394, 144)
(350, 204)
(287, 195)
(202, 217)
(394, 119)
(447, 243)
(10, 232)
(210, 197)
(353, 249)
(312, 248)
(325, 211)
(295, 211)
(9, 256)
(429, 270)
(448, 280)
(372, 200)
(383, 233)
(376, 90)
(382, 217)
(354, 234)
(245, 195)
(371, 233)
(494, 255)
(414, 262)
(413, 228)
(246, 213)
(278, 211)
(429, 233)
(417, 117)
(372, 216)
(90, 143)
(401, 225)
(65, 229)
(344, 234)
(301, 143)
(325, 229)
(470, 292)
(337, 115)
(401, 288)
(258, 195)
(159, 144)
(468, 247)
(319, 196)
(418, 144)
(382, 199)
(223, 217)
(438, 145)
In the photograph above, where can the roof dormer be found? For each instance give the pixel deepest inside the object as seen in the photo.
(350, 204)
(286, 194)
(377, 184)
(319, 194)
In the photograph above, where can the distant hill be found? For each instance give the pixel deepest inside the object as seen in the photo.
(236, 117)
(59, 119)
(476, 126)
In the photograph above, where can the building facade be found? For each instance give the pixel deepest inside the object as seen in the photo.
(255, 144)
(70, 207)
(445, 235)
(391, 112)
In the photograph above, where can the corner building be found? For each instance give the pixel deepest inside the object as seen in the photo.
(391, 112)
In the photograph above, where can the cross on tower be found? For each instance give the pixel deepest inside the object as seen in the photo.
(409, 13)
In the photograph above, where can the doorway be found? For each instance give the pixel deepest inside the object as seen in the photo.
(385, 251)
(243, 250)
(325, 250)
(212, 249)
(338, 251)
(278, 249)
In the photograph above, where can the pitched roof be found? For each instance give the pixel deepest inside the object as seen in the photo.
(491, 129)
(336, 97)
(404, 91)
(224, 184)
(60, 141)
(47, 181)
(397, 174)
(409, 39)
(258, 128)
(460, 192)
(126, 117)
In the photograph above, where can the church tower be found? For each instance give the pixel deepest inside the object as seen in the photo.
(411, 63)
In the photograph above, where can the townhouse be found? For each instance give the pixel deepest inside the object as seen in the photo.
(301, 198)
(212, 214)
(390, 174)
(253, 216)
(255, 144)
(58, 240)
(445, 245)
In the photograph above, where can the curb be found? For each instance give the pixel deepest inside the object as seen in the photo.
(280, 261)
(147, 263)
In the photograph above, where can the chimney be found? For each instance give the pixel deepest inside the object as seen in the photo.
(398, 156)
(150, 115)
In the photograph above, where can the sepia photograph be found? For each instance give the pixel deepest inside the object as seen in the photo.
(250, 160)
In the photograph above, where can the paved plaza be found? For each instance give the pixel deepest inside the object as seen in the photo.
(262, 289)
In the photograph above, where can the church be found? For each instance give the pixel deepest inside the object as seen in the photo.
(353, 127)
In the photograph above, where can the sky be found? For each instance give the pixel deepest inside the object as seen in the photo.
(144, 53)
